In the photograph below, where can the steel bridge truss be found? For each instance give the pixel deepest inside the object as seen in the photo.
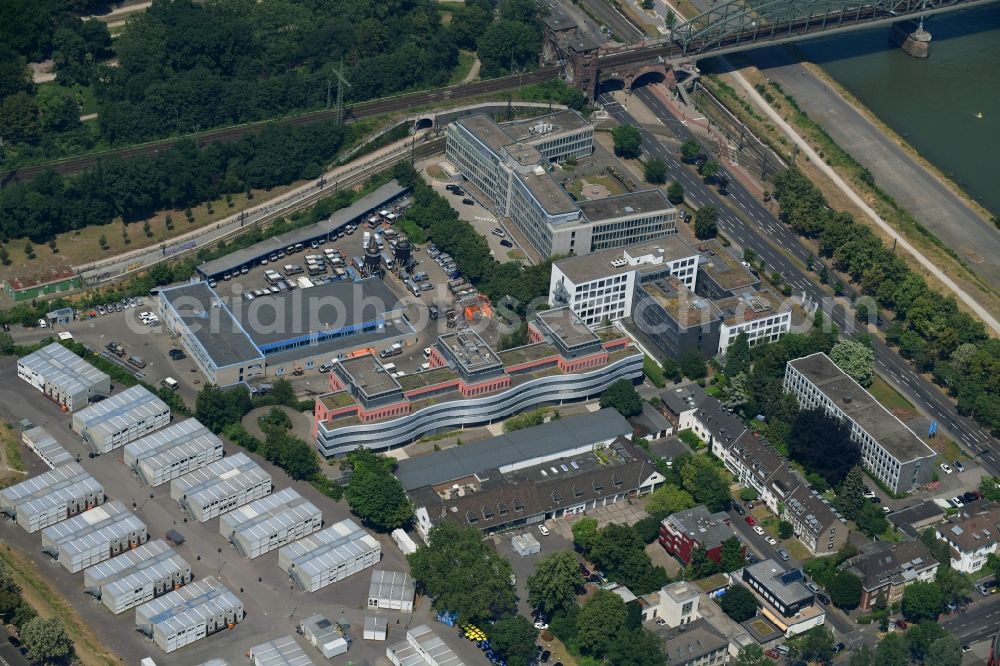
(737, 23)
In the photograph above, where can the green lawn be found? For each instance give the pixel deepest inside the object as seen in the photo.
(888, 396)
(84, 94)
(465, 60)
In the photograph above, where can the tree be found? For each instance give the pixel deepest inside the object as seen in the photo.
(103, 242)
(822, 444)
(954, 586)
(690, 150)
(700, 566)
(738, 603)
(462, 574)
(6, 344)
(939, 549)
(585, 534)
(375, 494)
(850, 498)
(553, 585)
(702, 479)
(845, 590)
(19, 122)
(945, 651)
(627, 141)
(891, 652)
(601, 619)
(513, 636)
(621, 554)
(814, 645)
(692, 364)
(856, 359)
(637, 647)
(738, 355)
(710, 170)
(46, 640)
(919, 637)
(217, 407)
(706, 222)
(622, 396)
(655, 171)
(675, 193)
(506, 46)
(671, 370)
(785, 529)
(871, 521)
(861, 656)
(668, 499)
(922, 601)
(732, 556)
(752, 655)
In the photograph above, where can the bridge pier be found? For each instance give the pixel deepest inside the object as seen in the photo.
(912, 38)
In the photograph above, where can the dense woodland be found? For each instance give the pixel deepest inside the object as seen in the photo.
(929, 329)
(185, 66)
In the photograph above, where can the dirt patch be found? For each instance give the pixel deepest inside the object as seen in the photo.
(301, 422)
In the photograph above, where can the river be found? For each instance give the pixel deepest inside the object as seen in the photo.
(933, 104)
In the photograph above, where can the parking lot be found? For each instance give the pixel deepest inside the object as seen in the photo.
(273, 605)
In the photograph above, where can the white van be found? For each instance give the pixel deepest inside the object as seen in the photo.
(170, 383)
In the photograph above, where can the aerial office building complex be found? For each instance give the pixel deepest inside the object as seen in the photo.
(122, 418)
(890, 451)
(508, 165)
(63, 376)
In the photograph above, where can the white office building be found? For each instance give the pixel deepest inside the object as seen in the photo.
(391, 590)
(762, 315)
(172, 452)
(890, 451)
(601, 285)
(122, 418)
(63, 376)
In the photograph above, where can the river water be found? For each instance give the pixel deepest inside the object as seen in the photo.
(933, 104)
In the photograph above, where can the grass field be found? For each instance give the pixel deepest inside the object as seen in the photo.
(36, 591)
(888, 396)
(577, 184)
(465, 61)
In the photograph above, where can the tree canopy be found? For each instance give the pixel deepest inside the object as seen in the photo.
(375, 494)
(668, 499)
(555, 582)
(850, 497)
(706, 222)
(46, 640)
(922, 600)
(601, 619)
(622, 396)
(705, 483)
(856, 359)
(627, 140)
(655, 171)
(513, 636)
(462, 575)
(738, 603)
(845, 590)
(870, 520)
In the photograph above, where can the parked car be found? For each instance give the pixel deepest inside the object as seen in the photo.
(971, 496)
(839, 647)
(869, 493)
(758, 530)
(739, 509)
(771, 540)
(468, 202)
(875, 500)
(506, 243)
(946, 468)
(750, 521)
(959, 466)
(497, 231)
(544, 530)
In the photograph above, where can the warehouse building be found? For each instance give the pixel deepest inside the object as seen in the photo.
(172, 452)
(270, 522)
(137, 576)
(388, 195)
(122, 418)
(94, 536)
(220, 487)
(189, 614)
(63, 376)
(330, 555)
(51, 497)
(46, 447)
(391, 590)
(282, 651)
(241, 341)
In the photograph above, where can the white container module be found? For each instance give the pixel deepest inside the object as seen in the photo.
(282, 651)
(525, 544)
(189, 614)
(376, 628)
(135, 577)
(324, 635)
(270, 522)
(403, 540)
(391, 590)
(329, 555)
(63, 376)
(220, 487)
(94, 536)
(172, 452)
(45, 446)
(122, 418)
(51, 497)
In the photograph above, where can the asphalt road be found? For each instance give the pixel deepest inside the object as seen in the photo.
(929, 200)
(977, 622)
(748, 221)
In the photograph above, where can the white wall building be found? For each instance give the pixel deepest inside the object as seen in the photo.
(51, 497)
(189, 614)
(94, 536)
(762, 315)
(63, 376)
(137, 576)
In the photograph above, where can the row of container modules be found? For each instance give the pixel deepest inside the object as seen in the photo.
(120, 419)
(135, 577)
(172, 452)
(189, 614)
(51, 497)
(94, 536)
(46, 447)
(282, 651)
(270, 522)
(220, 487)
(330, 555)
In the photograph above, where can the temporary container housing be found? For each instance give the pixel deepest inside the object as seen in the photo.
(329, 555)
(46, 447)
(525, 544)
(220, 487)
(422, 647)
(282, 651)
(324, 635)
(189, 614)
(404, 541)
(51, 497)
(122, 418)
(94, 536)
(376, 628)
(270, 522)
(172, 452)
(135, 577)
(391, 590)
(63, 376)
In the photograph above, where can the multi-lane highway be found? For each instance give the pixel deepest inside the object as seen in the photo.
(748, 221)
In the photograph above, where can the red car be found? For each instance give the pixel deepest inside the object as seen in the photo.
(750, 521)
(771, 653)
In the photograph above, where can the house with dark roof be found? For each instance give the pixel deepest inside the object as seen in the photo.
(914, 519)
(886, 569)
(973, 534)
(684, 532)
(695, 644)
(785, 599)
